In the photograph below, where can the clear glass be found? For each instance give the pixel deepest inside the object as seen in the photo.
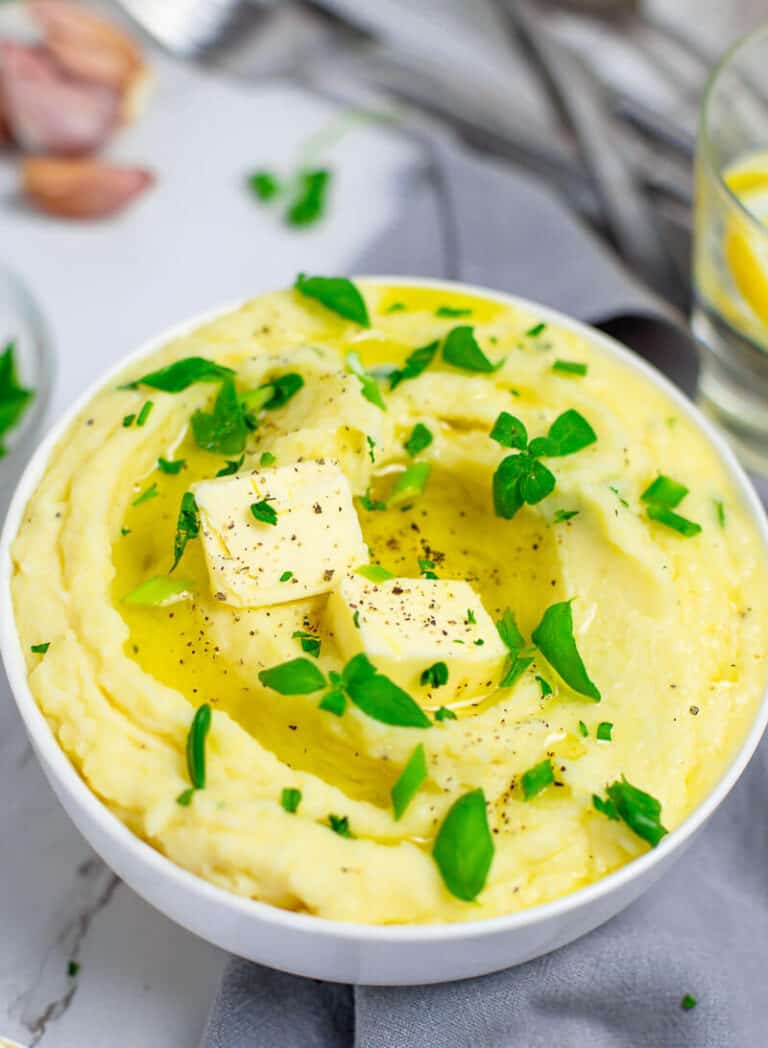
(730, 256)
(22, 322)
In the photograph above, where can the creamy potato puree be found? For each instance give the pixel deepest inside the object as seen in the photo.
(671, 629)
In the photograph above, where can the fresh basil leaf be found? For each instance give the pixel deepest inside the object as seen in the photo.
(264, 184)
(638, 809)
(420, 438)
(536, 482)
(555, 640)
(182, 374)
(670, 519)
(334, 701)
(264, 513)
(463, 848)
(411, 778)
(665, 492)
(311, 198)
(172, 466)
(435, 676)
(338, 294)
(223, 431)
(415, 363)
(231, 467)
(187, 526)
(295, 677)
(380, 698)
(410, 483)
(570, 432)
(519, 479)
(369, 387)
(460, 348)
(198, 732)
(290, 799)
(510, 432)
(282, 389)
(537, 779)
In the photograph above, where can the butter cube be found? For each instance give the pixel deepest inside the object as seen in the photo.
(405, 626)
(316, 539)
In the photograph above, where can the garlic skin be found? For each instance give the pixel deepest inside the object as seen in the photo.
(77, 188)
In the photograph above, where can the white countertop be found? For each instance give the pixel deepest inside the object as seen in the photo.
(196, 240)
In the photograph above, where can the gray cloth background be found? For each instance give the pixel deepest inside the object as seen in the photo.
(704, 928)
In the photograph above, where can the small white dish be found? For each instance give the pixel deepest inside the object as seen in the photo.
(333, 950)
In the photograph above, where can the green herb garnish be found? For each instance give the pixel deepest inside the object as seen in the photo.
(295, 677)
(201, 723)
(309, 642)
(264, 184)
(286, 576)
(185, 797)
(224, 430)
(562, 515)
(290, 798)
(444, 714)
(149, 493)
(570, 432)
(281, 389)
(537, 779)
(187, 526)
(412, 776)
(144, 414)
(583, 729)
(334, 702)
(688, 1002)
(510, 432)
(396, 307)
(519, 479)
(471, 620)
(463, 848)
(172, 466)
(537, 329)
(420, 438)
(263, 512)
(40, 649)
(569, 367)
(73, 969)
(125, 531)
(128, 421)
(452, 311)
(371, 504)
(160, 591)
(662, 496)
(639, 810)
(513, 640)
(311, 198)
(555, 640)
(14, 398)
(340, 824)
(231, 467)
(670, 519)
(427, 568)
(379, 697)
(374, 572)
(267, 459)
(544, 685)
(719, 511)
(369, 387)
(410, 483)
(460, 348)
(434, 676)
(416, 362)
(604, 730)
(183, 373)
(338, 294)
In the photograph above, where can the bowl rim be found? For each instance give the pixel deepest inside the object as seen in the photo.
(55, 759)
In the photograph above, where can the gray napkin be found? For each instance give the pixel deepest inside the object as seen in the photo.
(704, 929)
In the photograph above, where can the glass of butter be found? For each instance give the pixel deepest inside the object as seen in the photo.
(730, 259)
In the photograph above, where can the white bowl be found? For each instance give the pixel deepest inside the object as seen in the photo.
(334, 950)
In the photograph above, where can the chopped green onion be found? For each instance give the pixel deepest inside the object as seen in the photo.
(374, 572)
(411, 778)
(290, 799)
(537, 779)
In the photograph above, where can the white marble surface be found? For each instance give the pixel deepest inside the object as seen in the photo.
(198, 239)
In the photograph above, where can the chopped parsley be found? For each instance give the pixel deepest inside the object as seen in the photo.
(420, 438)
(223, 430)
(604, 730)
(661, 497)
(40, 649)
(444, 714)
(14, 398)
(434, 676)
(453, 311)
(464, 848)
(231, 466)
(471, 620)
(172, 466)
(461, 350)
(411, 778)
(290, 799)
(639, 810)
(265, 514)
(416, 362)
(286, 576)
(177, 377)
(144, 414)
(340, 824)
(337, 294)
(410, 483)
(374, 572)
(427, 568)
(570, 367)
(264, 184)
(267, 459)
(187, 526)
(309, 642)
(149, 493)
(369, 387)
(537, 779)
(688, 1002)
(556, 642)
